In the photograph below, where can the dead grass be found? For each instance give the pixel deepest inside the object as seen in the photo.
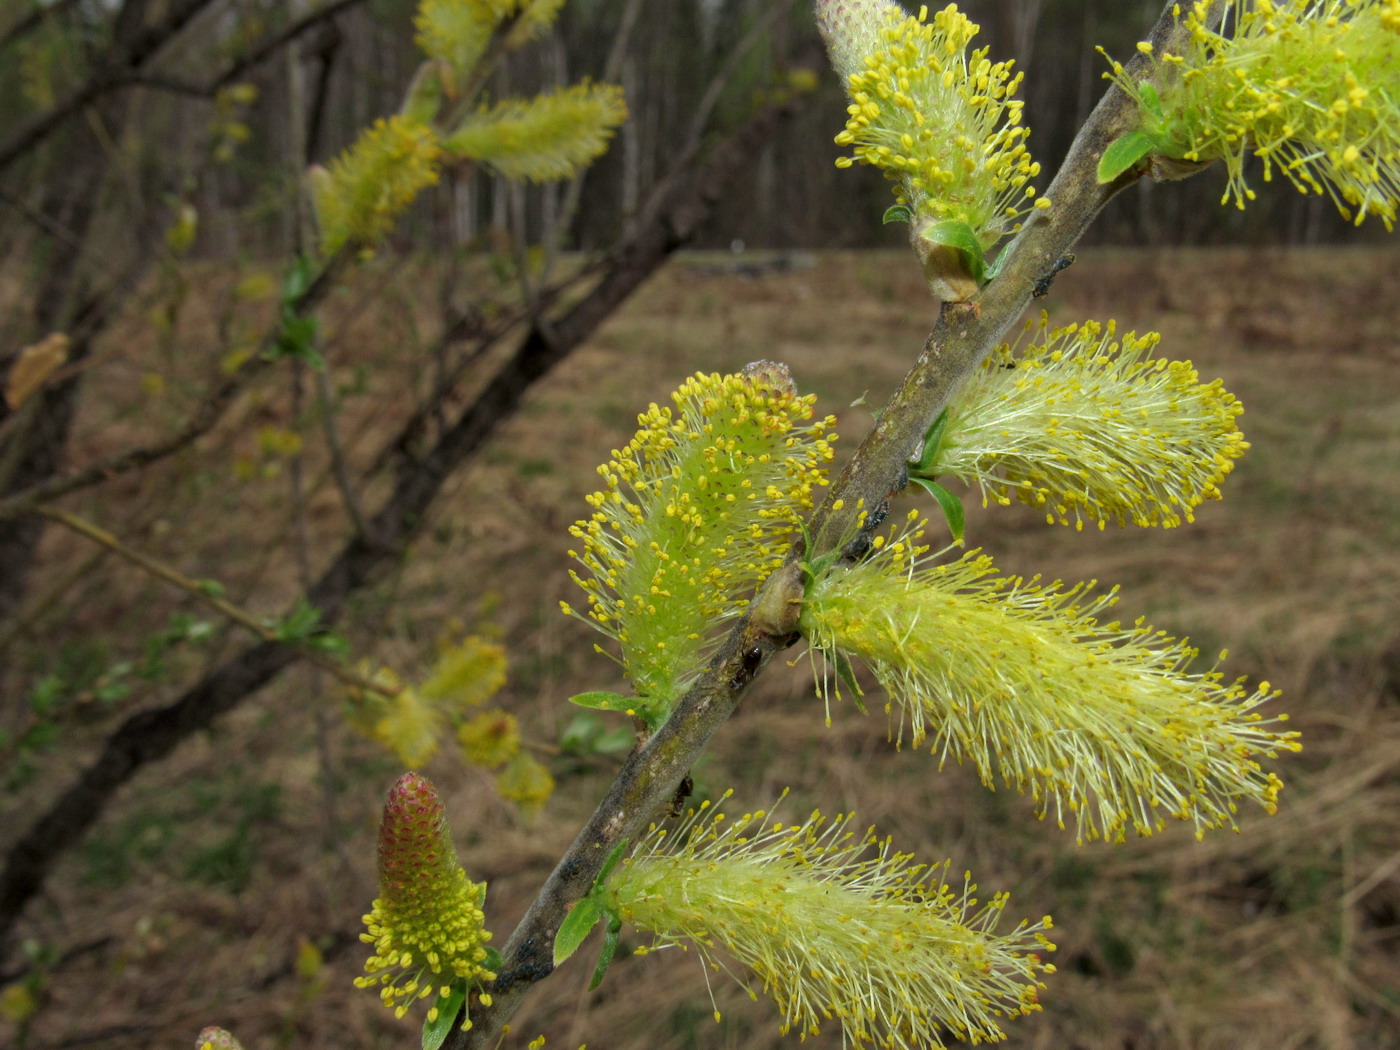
(1286, 935)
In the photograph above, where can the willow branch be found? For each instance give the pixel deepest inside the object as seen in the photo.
(963, 336)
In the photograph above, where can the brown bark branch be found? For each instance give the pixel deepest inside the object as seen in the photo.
(143, 46)
(151, 735)
(128, 70)
(962, 338)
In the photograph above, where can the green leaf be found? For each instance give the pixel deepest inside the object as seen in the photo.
(847, 674)
(296, 339)
(951, 505)
(611, 862)
(601, 700)
(300, 624)
(933, 445)
(1151, 101)
(330, 643)
(1122, 153)
(609, 950)
(298, 280)
(957, 234)
(577, 925)
(448, 1007)
(897, 213)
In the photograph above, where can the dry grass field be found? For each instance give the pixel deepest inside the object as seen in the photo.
(191, 901)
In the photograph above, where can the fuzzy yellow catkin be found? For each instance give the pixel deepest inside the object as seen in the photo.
(1105, 726)
(943, 124)
(550, 136)
(1092, 427)
(697, 509)
(459, 31)
(1310, 87)
(835, 925)
(362, 192)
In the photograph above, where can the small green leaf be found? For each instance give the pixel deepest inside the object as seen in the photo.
(951, 505)
(448, 1007)
(957, 234)
(300, 624)
(847, 674)
(610, 863)
(577, 925)
(638, 706)
(933, 445)
(1151, 101)
(298, 280)
(601, 700)
(296, 340)
(494, 960)
(1122, 153)
(897, 213)
(609, 950)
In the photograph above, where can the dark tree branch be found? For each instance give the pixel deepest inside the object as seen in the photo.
(142, 47)
(675, 215)
(26, 24)
(128, 70)
(962, 338)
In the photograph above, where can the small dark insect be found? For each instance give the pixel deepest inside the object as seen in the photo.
(875, 519)
(683, 791)
(753, 656)
(1042, 286)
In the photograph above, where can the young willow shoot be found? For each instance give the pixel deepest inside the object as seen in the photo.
(1310, 87)
(835, 925)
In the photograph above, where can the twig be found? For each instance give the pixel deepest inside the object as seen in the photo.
(205, 417)
(200, 591)
(961, 339)
(144, 46)
(327, 406)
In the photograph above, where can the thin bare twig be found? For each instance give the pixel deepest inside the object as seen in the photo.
(204, 419)
(202, 592)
